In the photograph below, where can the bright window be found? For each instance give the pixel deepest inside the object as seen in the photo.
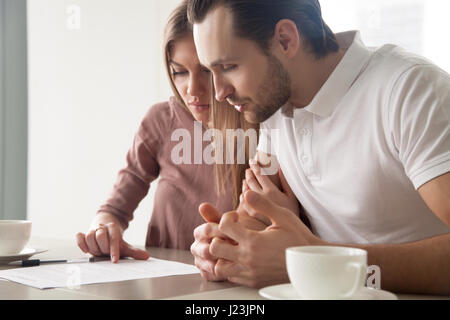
(419, 26)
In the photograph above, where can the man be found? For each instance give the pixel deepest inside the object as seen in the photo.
(364, 144)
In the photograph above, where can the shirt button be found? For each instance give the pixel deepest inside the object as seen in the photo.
(305, 159)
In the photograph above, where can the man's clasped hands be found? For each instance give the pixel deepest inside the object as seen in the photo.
(247, 246)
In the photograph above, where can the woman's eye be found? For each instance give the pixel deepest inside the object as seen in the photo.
(179, 73)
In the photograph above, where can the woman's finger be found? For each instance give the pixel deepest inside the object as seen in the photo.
(245, 186)
(81, 242)
(102, 238)
(92, 243)
(251, 181)
(264, 181)
(115, 236)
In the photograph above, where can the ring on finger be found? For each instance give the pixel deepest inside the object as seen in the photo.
(100, 228)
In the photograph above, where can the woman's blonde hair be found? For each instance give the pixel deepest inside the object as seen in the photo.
(225, 118)
(177, 27)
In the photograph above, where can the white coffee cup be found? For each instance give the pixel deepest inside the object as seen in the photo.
(326, 272)
(14, 236)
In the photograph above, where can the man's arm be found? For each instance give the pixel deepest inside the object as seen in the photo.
(418, 267)
(422, 266)
(436, 195)
(419, 124)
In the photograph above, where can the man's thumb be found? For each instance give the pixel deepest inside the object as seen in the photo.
(209, 213)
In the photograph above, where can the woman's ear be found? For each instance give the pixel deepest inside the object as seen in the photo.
(287, 38)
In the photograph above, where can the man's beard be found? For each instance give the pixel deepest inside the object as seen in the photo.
(273, 93)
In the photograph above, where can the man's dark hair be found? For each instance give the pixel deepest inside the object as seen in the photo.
(256, 20)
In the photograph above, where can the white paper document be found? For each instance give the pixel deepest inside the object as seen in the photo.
(75, 274)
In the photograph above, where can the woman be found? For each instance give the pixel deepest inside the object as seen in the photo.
(182, 188)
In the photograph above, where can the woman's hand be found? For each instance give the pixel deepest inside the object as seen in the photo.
(105, 238)
(263, 185)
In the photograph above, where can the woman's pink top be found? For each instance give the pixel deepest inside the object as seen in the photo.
(181, 188)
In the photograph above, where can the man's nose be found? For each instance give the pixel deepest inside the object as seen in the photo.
(223, 89)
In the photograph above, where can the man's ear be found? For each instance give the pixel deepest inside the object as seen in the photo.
(286, 39)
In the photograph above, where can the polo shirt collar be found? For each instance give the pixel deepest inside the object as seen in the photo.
(341, 79)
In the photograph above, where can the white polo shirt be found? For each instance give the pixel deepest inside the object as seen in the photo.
(377, 130)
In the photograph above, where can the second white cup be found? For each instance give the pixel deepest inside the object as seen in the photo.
(326, 272)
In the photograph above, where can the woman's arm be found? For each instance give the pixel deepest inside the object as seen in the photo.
(105, 235)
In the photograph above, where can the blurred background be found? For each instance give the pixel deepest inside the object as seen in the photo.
(77, 76)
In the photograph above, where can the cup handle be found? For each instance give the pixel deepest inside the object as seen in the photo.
(360, 274)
